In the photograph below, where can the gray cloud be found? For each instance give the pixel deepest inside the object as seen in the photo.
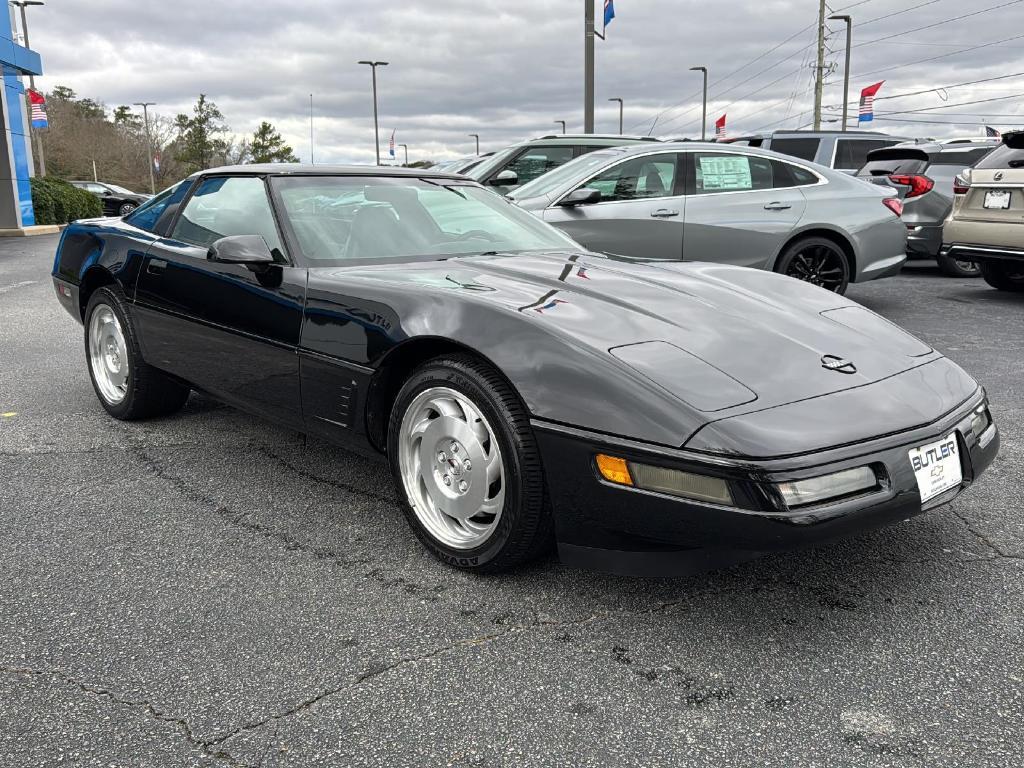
(506, 69)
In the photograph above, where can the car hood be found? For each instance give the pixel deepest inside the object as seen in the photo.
(722, 339)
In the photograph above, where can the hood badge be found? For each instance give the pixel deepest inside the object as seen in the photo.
(838, 364)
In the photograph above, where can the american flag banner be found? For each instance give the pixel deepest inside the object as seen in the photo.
(38, 109)
(867, 103)
(391, 145)
(992, 132)
(720, 127)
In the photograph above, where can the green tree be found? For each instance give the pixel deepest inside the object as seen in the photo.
(124, 117)
(62, 93)
(267, 146)
(201, 139)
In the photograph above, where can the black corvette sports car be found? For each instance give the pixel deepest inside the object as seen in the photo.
(648, 416)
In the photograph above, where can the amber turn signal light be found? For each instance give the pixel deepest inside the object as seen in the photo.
(614, 469)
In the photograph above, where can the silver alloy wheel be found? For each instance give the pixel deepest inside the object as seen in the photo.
(968, 266)
(451, 468)
(127, 208)
(108, 354)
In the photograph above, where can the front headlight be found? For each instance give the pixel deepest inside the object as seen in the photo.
(674, 482)
(800, 493)
(980, 421)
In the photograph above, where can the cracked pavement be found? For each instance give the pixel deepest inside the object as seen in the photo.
(210, 590)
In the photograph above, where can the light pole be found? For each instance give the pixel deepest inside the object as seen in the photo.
(149, 143)
(588, 66)
(376, 130)
(23, 4)
(620, 112)
(846, 69)
(406, 148)
(477, 137)
(561, 123)
(704, 104)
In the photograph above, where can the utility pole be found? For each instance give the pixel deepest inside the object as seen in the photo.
(22, 4)
(406, 148)
(376, 129)
(477, 137)
(846, 68)
(561, 123)
(311, 162)
(819, 76)
(149, 142)
(616, 98)
(704, 103)
(588, 66)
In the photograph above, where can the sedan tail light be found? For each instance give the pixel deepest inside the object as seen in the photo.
(961, 186)
(918, 184)
(894, 204)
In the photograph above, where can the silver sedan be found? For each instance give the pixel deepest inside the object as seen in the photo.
(733, 205)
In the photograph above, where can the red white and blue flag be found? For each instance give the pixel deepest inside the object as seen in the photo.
(992, 132)
(867, 103)
(38, 109)
(391, 145)
(609, 12)
(720, 127)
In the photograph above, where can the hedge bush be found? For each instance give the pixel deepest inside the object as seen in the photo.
(57, 202)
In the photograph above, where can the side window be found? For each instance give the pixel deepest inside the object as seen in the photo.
(803, 148)
(721, 172)
(637, 179)
(787, 175)
(536, 161)
(225, 206)
(851, 154)
(159, 210)
(96, 189)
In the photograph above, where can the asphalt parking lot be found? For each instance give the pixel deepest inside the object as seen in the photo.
(212, 590)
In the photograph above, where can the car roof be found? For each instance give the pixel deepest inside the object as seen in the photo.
(305, 169)
(812, 134)
(611, 139)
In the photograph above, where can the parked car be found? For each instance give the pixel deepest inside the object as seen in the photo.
(522, 163)
(648, 417)
(462, 164)
(727, 204)
(922, 173)
(844, 151)
(986, 225)
(117, 201)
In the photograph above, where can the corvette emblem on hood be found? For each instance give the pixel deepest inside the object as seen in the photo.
(838, 364)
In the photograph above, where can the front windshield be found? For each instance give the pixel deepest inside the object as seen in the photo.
(552, 180)
(496, 160)
(121, 190)
(340, 219)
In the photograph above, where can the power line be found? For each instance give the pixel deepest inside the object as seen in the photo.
(944, 122)
(947, 106)
(897, 13)
(940, 23)
(936, 58)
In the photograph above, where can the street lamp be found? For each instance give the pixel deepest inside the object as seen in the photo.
(477, 137)
(149, 144)
(562, 123)
(23, 4)
(704, 107)
(406, 148)
(846, 70)
(376, 130)
(620, 112)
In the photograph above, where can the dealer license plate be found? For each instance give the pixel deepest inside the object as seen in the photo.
(936, 466)
(997, 199)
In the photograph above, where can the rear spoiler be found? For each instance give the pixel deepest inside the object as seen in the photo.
(898, 153)
(1014, 139)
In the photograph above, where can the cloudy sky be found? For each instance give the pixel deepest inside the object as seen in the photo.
(506, 69)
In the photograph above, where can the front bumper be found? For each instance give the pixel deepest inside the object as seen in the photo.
(627, 530)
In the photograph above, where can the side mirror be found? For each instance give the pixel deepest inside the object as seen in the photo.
(581, 196)
(107, 193)
(507, 178)
(241, 249)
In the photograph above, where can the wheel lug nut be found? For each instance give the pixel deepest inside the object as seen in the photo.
(455, 447)
(447, 480)
(467, 465)
(463, 486)
(441, 458)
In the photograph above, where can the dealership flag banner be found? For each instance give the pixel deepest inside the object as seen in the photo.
(38, 109)
(992, 132)
(867, 103)
(391, 144)
(609, 12)
(720, 127)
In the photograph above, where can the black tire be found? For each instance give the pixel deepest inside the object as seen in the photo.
(956, 268)
(148, 391)
(126, 208)
(816, 260)
(524, 530)
(1004, 275)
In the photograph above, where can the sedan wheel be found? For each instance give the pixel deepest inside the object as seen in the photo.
(1004, 275)
(817, 261)
(108, 355)
(467, 464)
(126, 208)
(957, 268)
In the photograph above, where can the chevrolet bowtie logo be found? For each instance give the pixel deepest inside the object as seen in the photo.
(838, 364)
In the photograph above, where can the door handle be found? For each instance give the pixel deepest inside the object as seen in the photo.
(777, 207)
(664, 213)
(155, 266)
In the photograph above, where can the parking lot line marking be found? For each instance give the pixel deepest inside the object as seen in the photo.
(12, 286)
(9, 414)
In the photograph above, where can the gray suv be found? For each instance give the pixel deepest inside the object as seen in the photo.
(842, 150)
(522, 163)
(923, 174)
